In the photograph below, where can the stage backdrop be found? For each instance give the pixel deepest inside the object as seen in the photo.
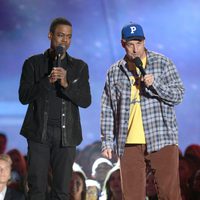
(171, 27)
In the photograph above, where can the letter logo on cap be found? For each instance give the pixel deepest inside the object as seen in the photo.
(133, 29)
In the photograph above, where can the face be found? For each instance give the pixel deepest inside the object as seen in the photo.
(134, 48)
(92, 193)
(115, 182)
(5, 171)
(76, 185)
(61, 36)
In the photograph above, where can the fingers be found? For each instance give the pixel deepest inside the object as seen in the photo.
(52, 78)
(107, 153)
(148, 79)
(58, 73)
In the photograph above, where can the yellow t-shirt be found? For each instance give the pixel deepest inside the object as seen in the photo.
(136, 133)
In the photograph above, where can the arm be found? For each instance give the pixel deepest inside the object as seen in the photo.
(168, 86)
(79, 91)
(29, 89)
(107, 122)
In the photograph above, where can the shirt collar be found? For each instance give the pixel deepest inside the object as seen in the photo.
(3, 193)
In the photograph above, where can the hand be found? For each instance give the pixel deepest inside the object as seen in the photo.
(58, 73)
(107, 153)
(148, 79)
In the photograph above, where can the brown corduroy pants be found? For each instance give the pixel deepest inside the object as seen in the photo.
(164, 163)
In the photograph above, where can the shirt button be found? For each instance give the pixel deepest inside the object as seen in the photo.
(63, 126)
(63, 115)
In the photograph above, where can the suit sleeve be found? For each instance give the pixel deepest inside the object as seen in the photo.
(30, 89)
(79, 91)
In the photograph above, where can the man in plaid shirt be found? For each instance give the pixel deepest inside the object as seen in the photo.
(138, 118)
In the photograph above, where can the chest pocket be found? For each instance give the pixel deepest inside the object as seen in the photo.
(120, 90)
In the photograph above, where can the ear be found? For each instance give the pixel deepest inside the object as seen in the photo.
(123, 43)
(50, 35)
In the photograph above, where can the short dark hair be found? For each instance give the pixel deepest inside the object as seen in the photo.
(59, 21)
(3, 135)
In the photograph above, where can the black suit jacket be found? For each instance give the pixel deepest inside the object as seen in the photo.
(34, 90)
(12, 194)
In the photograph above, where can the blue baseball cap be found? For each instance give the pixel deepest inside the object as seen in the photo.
(132, 32)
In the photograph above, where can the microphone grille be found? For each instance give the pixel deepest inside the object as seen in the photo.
(137, 61)
(59, 50)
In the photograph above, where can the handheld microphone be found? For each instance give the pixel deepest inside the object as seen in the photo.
(59, 51)
(138, 63)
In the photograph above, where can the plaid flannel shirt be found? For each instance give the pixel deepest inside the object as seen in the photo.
(157, 104)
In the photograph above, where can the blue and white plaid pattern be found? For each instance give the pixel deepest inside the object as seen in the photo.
(157, 106)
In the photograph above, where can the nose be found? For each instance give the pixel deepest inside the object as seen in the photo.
(135, 48)
(64, 39)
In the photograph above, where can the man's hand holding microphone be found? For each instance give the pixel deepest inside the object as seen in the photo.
(58, 73)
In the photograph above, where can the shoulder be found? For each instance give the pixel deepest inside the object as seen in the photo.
(77, 61)
(35, 59)
(38, 57)
(12, 194)
(116, 66)
(153, 56)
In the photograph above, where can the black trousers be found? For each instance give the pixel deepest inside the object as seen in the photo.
(46, 159)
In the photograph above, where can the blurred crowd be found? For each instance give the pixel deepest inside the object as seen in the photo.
(95, 177)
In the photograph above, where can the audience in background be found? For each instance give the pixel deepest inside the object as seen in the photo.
(189, 163)
(195, 186)
(78, 184)
(192, 154)
(5, 175)
(185, 174)
(82, 188)
(100, 168)
(88, 155)
(19, 170)
(3, 143)
(93, 189)
(151, 192)
(112, 185)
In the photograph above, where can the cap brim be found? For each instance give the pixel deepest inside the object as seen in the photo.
(135, 38)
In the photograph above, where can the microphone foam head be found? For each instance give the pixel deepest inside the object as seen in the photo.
(137, 61)
(59, 50)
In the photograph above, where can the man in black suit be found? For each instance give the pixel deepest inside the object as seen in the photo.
(5, 174)
(54, 85)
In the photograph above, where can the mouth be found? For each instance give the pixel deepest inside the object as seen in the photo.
(63, 46)
(134, 55)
